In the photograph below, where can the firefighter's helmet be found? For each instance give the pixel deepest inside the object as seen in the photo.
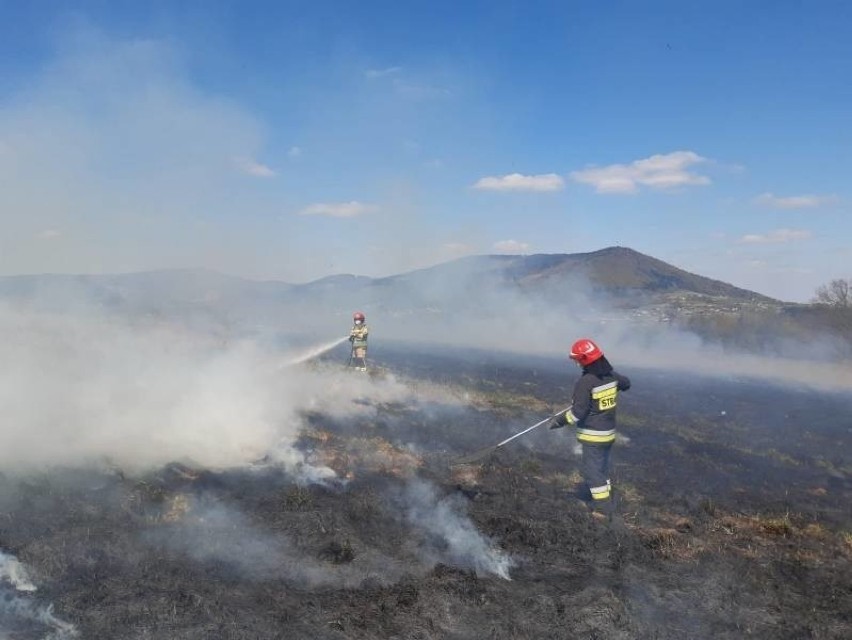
(358, 316)
(585, 352)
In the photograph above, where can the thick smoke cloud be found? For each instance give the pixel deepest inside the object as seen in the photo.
(88, 388)
(465, 307)
(82, 386)
(78, 388)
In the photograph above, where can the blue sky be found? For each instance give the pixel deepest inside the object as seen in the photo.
(294, 140)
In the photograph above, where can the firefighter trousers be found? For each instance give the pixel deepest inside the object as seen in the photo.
(595, 471)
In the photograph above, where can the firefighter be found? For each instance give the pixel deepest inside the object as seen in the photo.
(593, 414)
(358, 338)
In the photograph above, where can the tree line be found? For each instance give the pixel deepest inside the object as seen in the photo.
(836, 294)
(791, 329)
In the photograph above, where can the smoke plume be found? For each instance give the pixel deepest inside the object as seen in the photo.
(86, 388)
(217, 534)
(18, 612)
(446, 534)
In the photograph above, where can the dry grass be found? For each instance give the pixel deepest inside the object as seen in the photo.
(502, 402)
(846, 538)
(177, 506)
(466, 475)
(348, 455)
(761, 536)
(297, 498)
(530, 466)
(565, 481)
(777, 526)
(628, 493)
(670, 543)
(781, 457)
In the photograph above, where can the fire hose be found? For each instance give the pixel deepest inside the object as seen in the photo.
(483, 453)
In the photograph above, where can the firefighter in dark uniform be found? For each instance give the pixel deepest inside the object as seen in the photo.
(593, 414)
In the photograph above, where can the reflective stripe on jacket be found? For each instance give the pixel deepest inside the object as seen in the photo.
(595, 402)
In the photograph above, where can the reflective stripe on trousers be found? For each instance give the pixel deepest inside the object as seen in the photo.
(597, 437)
(600, 493)
(595, 471)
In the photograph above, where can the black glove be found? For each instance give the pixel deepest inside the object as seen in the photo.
(555, 424)
(351, 338)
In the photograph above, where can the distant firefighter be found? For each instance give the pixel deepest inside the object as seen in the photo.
(358, 338)
(593, 415)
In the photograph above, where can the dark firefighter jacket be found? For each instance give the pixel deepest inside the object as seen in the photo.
(595, 401)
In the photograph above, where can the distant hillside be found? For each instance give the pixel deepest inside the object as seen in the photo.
(616, 278)
(614, 269)
(618, 269)
(623, 274)
(611, 270)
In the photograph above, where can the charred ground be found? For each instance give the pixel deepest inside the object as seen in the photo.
(735, 497)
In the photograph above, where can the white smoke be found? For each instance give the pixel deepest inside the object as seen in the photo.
(13, 572)
(303, 471)
(76, 389)
(17, 610)
(458, 306)
(450, 536)
(212, 532)
(79, 388)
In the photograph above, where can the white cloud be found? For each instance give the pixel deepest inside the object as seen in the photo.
(49, 234)
(253, 168)
(778, 236)
(809, 201)
(379, 73)
(338, 209)
(511, 246)
(661, 172)
(294, 152)
(518, 182)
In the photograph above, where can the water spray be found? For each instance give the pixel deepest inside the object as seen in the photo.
(314, 352)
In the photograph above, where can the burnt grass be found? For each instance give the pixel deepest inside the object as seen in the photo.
(731, 525)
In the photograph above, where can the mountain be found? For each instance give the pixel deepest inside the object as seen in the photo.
(585, 285)
(620, 275)
(614, 271)
(619, 269)
(610, 270)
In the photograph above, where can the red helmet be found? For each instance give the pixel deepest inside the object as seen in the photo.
(358, 316)
(585, 352)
